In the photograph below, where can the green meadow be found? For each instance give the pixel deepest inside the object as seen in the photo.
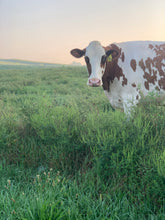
(65, 154)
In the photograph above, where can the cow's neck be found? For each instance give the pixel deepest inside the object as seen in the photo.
(109, 74)
(112, 71)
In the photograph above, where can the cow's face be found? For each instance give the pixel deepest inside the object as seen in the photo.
(95, 58)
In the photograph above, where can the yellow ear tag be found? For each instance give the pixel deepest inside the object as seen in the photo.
(109, 59)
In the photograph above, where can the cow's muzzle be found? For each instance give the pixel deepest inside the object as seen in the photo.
(94, 82)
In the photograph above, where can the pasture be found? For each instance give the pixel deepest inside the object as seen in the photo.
(66, 154)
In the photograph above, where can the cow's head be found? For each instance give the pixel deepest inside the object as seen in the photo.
(95, 58)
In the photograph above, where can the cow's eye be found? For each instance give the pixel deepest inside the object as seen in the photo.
(103, 59)
(87, 59)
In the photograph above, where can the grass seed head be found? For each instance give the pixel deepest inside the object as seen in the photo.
(38, 176)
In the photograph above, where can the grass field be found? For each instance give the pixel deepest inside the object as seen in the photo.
(65, 154)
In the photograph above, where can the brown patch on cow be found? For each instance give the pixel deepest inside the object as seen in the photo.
(151, 77)
(137, 97)
(117, 51)
(113, 70)
(148, 63)
(160, 50)
(103, 62)
(124, 82)
(115, 48)
(150, 74)
(119, 100)
(89, 67)
(133, 85)
(146, 84)
(151, 46)
(122, 56)
(108, 75)
(133, 64)
(102, 65)
(141, 64)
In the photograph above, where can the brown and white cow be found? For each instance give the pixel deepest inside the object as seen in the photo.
(125, 70)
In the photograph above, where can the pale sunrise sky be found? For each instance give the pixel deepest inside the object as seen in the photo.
(46, 30)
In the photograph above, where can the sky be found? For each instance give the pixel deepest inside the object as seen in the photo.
(46, 30)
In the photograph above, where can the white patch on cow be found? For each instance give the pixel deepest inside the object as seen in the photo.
(163, 61)
(163, 67)
(95, 52)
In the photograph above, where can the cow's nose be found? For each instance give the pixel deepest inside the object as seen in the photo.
(94, 82)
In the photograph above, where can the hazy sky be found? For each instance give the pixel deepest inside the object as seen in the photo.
(46, 30)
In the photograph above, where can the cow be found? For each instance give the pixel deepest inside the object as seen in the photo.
(127, 71)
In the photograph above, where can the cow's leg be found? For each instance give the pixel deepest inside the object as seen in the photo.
(115, 101)
(129, 105)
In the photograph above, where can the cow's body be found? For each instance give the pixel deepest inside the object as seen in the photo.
(126, 71)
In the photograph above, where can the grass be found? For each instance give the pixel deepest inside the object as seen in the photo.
(65, 154)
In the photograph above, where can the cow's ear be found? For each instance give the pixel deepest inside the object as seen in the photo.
(114, 53)
(77, 53)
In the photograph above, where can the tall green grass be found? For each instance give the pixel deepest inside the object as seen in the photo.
(104, 165)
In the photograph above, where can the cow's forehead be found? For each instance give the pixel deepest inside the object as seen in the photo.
(94, 49)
